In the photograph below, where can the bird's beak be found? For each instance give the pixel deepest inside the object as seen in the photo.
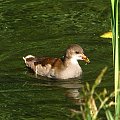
(85, 58)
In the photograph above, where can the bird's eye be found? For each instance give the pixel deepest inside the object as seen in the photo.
(77, 52)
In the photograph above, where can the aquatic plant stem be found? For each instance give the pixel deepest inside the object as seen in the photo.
(116, 52)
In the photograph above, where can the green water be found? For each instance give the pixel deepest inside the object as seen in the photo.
(46, 28)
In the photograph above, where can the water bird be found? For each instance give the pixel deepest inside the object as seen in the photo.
(58, 68)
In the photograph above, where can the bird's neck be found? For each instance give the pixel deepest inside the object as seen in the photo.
(70, 61)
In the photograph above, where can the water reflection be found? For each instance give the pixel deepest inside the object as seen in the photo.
(72, 87)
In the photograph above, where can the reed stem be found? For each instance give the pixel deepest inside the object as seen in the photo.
(116, 52)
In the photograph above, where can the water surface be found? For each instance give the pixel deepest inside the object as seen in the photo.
(46, 28)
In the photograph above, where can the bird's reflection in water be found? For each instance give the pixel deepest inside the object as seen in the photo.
(72, 86)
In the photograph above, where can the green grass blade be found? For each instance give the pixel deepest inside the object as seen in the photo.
(109, 115)
(116, 52)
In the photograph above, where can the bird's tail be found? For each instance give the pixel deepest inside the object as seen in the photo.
(29, 61)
